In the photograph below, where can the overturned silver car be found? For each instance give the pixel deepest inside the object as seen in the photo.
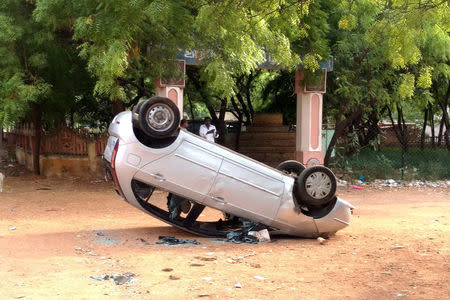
(147, 150)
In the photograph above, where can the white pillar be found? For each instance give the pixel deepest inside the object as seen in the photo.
(174, 93)
(309, 124)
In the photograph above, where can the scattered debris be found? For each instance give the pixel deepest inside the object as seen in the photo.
(252, 233)
(100, 278)
(362, 179)
(262, 235)
(360, 183)
(167, 270)
(120, 279)
(400, 295)
(203, 295)
(398, 247)
(107, 240)
(253, 265)
(172, 241)
(357, 187)
(217, 240)
(321, 240)
(241, 236)
(259, 277)
(237, 259)
(205, 258)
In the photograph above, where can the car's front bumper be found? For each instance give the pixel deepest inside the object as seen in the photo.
(338, 218)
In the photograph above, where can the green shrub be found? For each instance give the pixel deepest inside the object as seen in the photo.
(427, 164)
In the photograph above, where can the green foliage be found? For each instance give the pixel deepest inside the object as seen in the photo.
(22, 49)
(406, 87)
(118, 35)
(428, 164)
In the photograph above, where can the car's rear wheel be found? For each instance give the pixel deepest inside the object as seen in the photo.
(291, 167)
(159, 117)
(316, 186)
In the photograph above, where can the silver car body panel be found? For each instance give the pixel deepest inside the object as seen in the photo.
(218, 177)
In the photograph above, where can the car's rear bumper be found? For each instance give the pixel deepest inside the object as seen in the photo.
(109, 176)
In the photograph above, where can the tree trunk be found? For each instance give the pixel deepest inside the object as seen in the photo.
(238, 114)
(405, 132)
(191, 108)
(339, 130)
(444, 106)
(245, 110)
(441, 131)
(221, 126)
(1, 140)
(36, 111)
(401, 129)
(433, 135)
(422, 136)
(117, 107)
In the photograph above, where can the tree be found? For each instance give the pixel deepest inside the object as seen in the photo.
(378, 48)
(130, 43)
(42, 78)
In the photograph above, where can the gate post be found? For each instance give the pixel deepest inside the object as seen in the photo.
(309, 121)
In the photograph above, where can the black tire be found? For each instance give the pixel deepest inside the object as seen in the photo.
(291, 167)
(135, 112)
(165, 116)
(320, 196)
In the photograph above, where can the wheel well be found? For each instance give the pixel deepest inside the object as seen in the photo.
(151, 142)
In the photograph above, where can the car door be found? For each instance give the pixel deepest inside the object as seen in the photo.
(188, 171)
(247, 188)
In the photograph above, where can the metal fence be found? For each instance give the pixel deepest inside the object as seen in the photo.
(385, 151)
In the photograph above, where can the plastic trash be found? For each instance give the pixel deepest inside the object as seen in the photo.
(262, 235)
(100, 278)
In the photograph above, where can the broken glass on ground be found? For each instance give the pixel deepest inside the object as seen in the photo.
(252, 233)
(173, 241)
(119, 279)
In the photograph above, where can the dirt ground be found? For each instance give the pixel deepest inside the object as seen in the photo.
(397, 246)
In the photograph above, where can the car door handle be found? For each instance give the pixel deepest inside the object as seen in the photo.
(158, 177)
(218, 199)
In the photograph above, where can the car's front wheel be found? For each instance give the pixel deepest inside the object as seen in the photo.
(159, 117)
(316, 186)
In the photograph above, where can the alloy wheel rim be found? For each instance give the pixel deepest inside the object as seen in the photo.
(160, 117)
(318, 185)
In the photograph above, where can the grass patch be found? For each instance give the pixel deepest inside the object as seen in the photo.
(427, 164)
